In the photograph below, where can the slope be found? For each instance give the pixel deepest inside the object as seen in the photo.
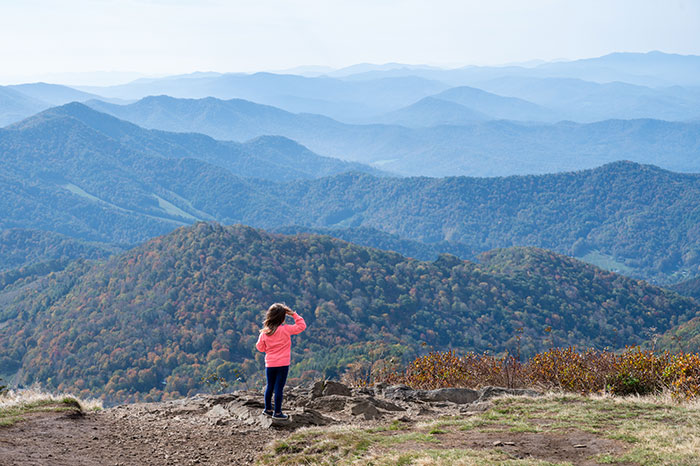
(585, 101)
(117, 184)
(430, 111)
(14, 106)
(492, 148)
(157, 318)
(20, 248)
(499, 107)
(53, 94)
(340, 99)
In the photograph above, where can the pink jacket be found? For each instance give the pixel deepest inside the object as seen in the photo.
(278, 346)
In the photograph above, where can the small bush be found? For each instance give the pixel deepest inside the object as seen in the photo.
(634, 371)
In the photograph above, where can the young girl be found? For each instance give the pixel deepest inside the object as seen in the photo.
(276, 343)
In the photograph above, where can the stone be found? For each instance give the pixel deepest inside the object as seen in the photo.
(330, 403)
(218, 415)
(336, 388)
(384, 404)
(491, 392)
(307, 417)
(454, 395)
(366, 409)
(379, 388)
(317, 389)
(400, 392)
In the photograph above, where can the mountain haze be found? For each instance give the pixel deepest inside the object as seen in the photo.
(110, 181)
(490, 148)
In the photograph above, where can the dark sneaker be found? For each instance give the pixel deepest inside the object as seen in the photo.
(280, 416)
(267, 413)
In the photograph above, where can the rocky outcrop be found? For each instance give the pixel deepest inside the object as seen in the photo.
(328, 402)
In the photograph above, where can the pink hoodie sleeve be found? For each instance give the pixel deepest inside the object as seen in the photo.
(260, 345)
(299, 324)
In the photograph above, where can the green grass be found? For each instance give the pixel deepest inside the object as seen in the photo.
(649, 431)
(11, 414)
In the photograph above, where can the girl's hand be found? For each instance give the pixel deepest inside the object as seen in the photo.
(289, 312)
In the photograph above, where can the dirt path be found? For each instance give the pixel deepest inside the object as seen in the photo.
(114, 437)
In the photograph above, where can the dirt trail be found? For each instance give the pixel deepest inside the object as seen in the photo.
(126, 437)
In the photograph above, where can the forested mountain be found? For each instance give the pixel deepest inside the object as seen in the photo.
(358, 92)
(88, 175)
(636, 219)
(374, 238)
(430, 111)
(20, 101)
(344, 100)
(497, 106)
(20, 247)
(689, 288)
(490, 148)
(585, 101)
(15, 106)
(53, 94)
(653, 69)
(156, 319)
(104, 180)
(273, 158)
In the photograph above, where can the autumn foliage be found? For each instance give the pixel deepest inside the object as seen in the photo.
(633, 371)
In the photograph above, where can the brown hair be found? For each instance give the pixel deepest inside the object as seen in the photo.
(274, 318)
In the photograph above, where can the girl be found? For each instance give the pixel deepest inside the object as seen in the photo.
(276, 343)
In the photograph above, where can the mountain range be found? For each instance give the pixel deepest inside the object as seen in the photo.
(20, 101)
(89, 176)
(156, 319)
(488, 148)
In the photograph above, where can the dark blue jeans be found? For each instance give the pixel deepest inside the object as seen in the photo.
(276, 378)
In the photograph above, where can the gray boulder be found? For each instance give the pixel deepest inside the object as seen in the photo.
(458, 396)
(365, 409)
(330, 403)
(453, 395)
(329, 387)
(487, 393)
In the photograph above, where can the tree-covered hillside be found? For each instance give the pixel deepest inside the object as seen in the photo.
(98, 179)
(371, 237)
(26, 247)
(154, 320)
(639, 220)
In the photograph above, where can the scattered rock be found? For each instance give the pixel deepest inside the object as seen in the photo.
(476, 407)
(330, 403)
(580, 446)
(218, 415)
(497, 443)
(379, 388)
(336, 388)
(487, 393)
(317, 389)
(453, 395)
(400, 392)
(383, 404)
(366, 409)
(304, 418)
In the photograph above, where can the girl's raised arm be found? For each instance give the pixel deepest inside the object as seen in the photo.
(299, 324)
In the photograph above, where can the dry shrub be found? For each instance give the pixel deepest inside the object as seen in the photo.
(634, 371)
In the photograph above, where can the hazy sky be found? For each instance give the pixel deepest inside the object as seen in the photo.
(43, 37)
